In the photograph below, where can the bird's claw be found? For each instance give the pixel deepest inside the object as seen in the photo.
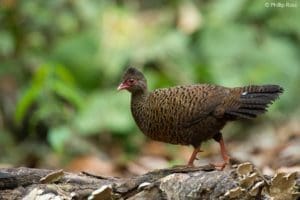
(219, 166)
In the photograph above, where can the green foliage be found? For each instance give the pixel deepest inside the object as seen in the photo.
(51, 88)
(79, 53)
(58, 137)
(106, 111)
(232, 43)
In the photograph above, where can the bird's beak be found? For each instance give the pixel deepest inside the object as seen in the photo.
(122, 86)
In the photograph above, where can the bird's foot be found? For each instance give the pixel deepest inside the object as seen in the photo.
(197, 156)
(193, 157)
(219, 166)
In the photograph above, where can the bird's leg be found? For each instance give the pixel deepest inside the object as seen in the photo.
(194, 156)
(219, 138)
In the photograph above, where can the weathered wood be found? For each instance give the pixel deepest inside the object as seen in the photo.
(242, 182)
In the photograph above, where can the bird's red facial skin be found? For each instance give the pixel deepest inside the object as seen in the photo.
(127, 84)
(122, 86)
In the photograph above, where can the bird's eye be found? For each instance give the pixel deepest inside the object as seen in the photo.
(131, 80)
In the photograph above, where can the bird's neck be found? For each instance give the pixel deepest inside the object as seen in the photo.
(139, 97)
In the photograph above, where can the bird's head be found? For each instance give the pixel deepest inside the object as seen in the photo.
(133, 80)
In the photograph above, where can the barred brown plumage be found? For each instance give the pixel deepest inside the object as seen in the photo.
(191, 114)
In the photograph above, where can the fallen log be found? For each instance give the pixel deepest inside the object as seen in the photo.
(241, 182)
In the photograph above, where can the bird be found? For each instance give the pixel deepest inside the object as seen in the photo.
(193, 114)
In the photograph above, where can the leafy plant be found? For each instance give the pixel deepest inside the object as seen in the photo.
(51, 97)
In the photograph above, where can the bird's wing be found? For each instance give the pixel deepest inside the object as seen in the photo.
(188, 105)
(210, 103)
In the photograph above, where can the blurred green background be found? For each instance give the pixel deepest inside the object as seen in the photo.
(61, 61)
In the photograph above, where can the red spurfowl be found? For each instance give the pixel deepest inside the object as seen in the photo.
(192, 114)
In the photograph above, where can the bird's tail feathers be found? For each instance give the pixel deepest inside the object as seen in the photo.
(254, 100)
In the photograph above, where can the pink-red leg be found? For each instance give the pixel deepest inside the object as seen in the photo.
(194, 156)
(224, 153)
